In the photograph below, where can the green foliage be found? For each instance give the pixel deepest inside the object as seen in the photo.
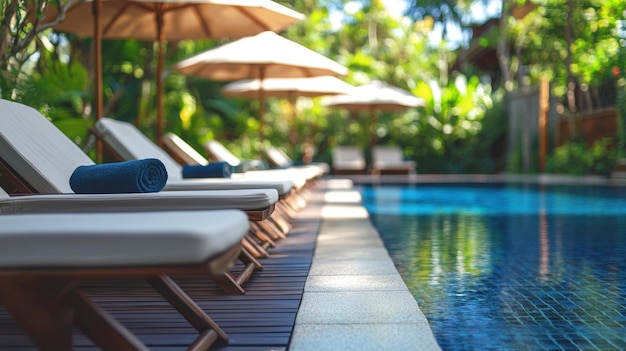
(59, 91)
(446, 136)
(576, 158)
(598, 44)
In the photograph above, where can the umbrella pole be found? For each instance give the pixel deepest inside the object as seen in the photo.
(372, 128)
(159, 78)
(97, 66)
(293, 136)
(261, 103)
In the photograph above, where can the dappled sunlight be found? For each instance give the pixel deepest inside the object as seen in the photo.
(356, 282)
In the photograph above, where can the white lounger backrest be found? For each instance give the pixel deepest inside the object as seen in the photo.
(220, 153)
(278, 157)
(387, 154)
(37, 150)
(131, 144)
(183, 150)
(348, 157)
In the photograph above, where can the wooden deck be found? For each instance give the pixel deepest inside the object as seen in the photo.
(262, 319)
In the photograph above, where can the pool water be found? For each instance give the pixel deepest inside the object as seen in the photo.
(510, 267)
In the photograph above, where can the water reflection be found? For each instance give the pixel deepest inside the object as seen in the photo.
(510, 267)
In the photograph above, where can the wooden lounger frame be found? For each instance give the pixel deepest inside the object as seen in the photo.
(47, 303)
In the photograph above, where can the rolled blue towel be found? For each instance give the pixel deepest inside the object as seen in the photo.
(140, 176)
(212, 170)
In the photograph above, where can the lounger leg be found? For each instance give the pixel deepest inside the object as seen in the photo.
(229, 283)
(251, 265)
(295, 202)
(225, 279)
(38, 312)
(280, 222)
(271, 230)
(253, 247)
(208, 329)
(99, 326)
(259, 234)
(288, 210)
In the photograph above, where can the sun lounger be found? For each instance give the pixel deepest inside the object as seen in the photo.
(179, 150)
(39, 158)
(184, 154)
(258, 204)
(43, 256)
(218, 152)
(389, 160)
(348, 160)
(300, 176)
(278, 158)
(130, 144)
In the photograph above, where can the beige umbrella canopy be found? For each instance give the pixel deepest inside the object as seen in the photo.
(265, 55)
(173, 20)
(288, 88)
(373, 97)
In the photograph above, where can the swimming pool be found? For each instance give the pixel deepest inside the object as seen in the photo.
(510, 267)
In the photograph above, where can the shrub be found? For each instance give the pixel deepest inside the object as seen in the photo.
(577, 159)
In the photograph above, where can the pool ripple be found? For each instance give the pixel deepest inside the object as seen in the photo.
(510, 267)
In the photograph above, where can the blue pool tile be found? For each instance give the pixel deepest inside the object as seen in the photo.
(510, 267)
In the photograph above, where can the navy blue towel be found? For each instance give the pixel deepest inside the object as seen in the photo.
(140, 176)
(212, 170)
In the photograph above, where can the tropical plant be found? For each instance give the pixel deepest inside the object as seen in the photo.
(578, 159)
(20, 25)
(371, 42)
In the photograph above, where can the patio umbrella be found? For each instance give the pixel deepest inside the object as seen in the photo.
(265, 55)
(374, 97)
(288, 88)
(173, 20)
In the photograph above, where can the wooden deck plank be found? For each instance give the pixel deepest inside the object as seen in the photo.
(262, 319)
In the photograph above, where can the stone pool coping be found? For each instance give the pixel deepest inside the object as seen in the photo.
(354, 298)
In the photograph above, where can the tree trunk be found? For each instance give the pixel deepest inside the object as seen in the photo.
(571, 81)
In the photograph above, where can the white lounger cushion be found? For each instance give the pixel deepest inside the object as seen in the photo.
(298, 179)
(256, 199)
(131, 144)
(118, 239)
(283, 187)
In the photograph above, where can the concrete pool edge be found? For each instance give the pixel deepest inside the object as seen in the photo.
(540, 178)
(354, 298)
